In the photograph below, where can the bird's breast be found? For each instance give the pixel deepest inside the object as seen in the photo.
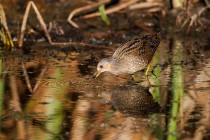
(132, 65)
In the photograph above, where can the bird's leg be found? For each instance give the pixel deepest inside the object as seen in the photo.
(146, 73)
(148, 67)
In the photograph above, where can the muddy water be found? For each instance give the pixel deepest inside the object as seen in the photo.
(66, 102)
(49, 92)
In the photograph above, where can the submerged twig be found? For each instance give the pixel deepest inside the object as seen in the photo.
(39, 78)
(28, 83)
(79, 44)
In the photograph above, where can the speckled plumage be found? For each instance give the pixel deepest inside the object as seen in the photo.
(133, 100)
(131, 56)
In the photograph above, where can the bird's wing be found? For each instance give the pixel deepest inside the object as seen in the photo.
(127, 48)
(143, 47)
(149, 46)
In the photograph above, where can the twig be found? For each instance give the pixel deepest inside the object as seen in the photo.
(155, 9)
(4, 22)
(39, 78)
(43, 26)
(145, 5)
(82, 9)
(207, 3)
(40, 19)
(112, 10)
(27, 78)
(3, 18)
(79, 44)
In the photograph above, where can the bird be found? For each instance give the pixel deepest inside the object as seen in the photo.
(132, 56)
(130, 99)
(134, 100)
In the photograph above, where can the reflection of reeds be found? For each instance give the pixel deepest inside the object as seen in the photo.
(157, 70)
(161, 80)
(197, 105)
(80, 117)
(21, 133)
(1, 87)
(177, 91)
(52, 111)
(55, 108)
(26, 78)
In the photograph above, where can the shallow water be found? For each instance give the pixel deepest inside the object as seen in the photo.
(68, 102)
(49, 92)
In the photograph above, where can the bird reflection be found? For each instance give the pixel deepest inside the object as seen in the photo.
(132, 100)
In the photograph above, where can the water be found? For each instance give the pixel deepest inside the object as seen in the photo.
(49, 92)
(68, 103)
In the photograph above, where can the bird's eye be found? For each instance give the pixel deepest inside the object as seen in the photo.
(101, 66)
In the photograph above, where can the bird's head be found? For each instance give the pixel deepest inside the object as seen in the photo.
(105, 65)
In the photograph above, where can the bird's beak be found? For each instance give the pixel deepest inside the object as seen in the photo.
(96, 74)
